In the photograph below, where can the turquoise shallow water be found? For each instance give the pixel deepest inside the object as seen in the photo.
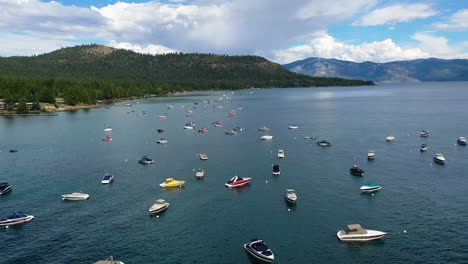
(208, 223)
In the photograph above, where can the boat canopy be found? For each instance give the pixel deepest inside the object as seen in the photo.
(355, 229)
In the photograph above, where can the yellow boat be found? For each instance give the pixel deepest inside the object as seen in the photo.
(188, 111)
(170, 182)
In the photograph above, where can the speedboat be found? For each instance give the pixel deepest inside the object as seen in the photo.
(203, 156)
(162, 116)
(280, 154)
(16, 219)
(110, 260)
(390, 138)
(370, 187)
(162, 141)
(217, 124)
(203, 130)
(231, 115)
(276, 170)
(237, 181)
(371, 155)
(230, 132)
(145, 160)
(13, 150)
(158, 206)
(4, 188)
(356, 170)
(170, 182)
(108, 178)
(461, 141)
(238, 129)
(161, 130)
(266, 137)
(259, 250)
(200, 174)
(75, 196)
(425, 133)
(290, 196)
(423, 147)
(357, 233)
(107, 139)
(107, 129)
(439, 158)
(293, 127)
(263, 128)
(189, 127)
(324, 143)
(311, 138)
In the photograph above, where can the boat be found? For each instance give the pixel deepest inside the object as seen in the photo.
(439, 158)
(237, 181)
(461, 141)
(16, 219)
(311, 138)
(202, 130)
(110, 260)
(107, 139)
(231, 115)
(324, 143)
(290, 196)
(158, 206)
(170, 182)
(161, 130)
(370, 187)
(162, 116)
(276, 170)
(425, 133)
(4, 188)
(293, 127)
(108, 178)
(145, 160)
(238, 129)
(75, 196)
(266, 137)
(280, 154)
(356, 170)
(203, 156)
(390, 138)
(371, 155)
(200, 174)
(107, 129)
(189, 127)
(128, 104)
(230, 132)
(13, 150)
(423, 147)
(357, 233)
(217, 124)
(257, 249)
(263, 128)
(162, 141)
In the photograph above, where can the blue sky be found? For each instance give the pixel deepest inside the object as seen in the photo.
(282, 31)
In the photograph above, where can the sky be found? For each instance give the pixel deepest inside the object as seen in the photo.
(280, 30)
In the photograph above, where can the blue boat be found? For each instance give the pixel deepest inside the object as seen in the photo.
(108, 178)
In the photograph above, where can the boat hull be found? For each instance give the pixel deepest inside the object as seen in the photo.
(238, 183)
(439, 161)
(258, 256)
(170, 185)
(6, 190)
(158, 210)
(12, 222)
(370, 189)
(371, 235)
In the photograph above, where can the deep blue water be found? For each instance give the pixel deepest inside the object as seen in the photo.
(208, 223)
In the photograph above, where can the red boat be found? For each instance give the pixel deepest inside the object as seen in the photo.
(237, 181)
(203, 130)
(107, 139)
(231, 115)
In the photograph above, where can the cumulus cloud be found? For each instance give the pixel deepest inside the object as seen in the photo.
(24, 45)
(395, 14)
(439, 47)
(458, 21)
(152, 49)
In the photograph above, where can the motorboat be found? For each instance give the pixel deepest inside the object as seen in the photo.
(293, 127)
(200, 174)
(161, 130)
(356, 170)
(257, 249)
(203, 156)
(189, 127)
(370, 187)
(390, 138)
(110, 260)
(202, 130)
(324, 143)
(145, 160)
(439, 158)
(128, 104)
(423, 147)
(4, 188)
(16, 219)
(276, 170)
(13, 150)
(230, 132)
(266, 137)
(357, 233)
(75, 196)
(237, 181)
(107, 129)
(290, 196)
(425, 133)
(311, 138)
(107, 139)
(280, 154)
(371, 155)
(238, 129)
(263, 128)
(162, 116)
(217, 124)
(231, 115)
(158, 206)
(108, 178)
(162, 141)
(461, 141)
(170, 182)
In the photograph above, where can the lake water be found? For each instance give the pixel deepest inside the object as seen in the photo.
(209, 223)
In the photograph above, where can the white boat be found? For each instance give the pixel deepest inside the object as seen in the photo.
(200, 174)
(263, 128)
(293, 127)
(75, 196)
(158, 206)
(439, 158)
(370, 187)
(16, 219)
(162, 141)
(357, 233)
(290, 196)
(257, 249)
(390, 138)
(110, 260)
(424, 133)
(266, 137)
(107, 129)
(461, 141)
(280, 154)
(203, 156)
(108, 178)
(371, 155)
(423, 147)
(189, 127)
(276, 170)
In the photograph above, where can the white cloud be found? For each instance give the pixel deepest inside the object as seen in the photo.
(395, 14)
(458, 21)
(24, 45)
(152, 49)
(439, 47)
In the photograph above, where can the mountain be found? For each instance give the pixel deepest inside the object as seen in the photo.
(421, 70)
